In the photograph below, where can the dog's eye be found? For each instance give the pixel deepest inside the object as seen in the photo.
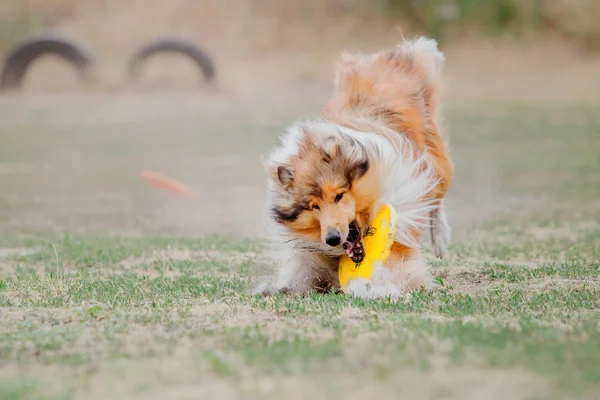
(339, 197)
(316, 207)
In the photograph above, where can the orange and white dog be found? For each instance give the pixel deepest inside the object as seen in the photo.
(377, 141)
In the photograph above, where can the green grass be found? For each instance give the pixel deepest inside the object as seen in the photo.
(516, 316)
(98, 313)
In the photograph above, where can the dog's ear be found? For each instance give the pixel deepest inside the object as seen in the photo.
(283, 175)
(331, 149)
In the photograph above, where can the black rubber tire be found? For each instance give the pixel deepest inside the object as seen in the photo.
(173, 45)
(24, 53)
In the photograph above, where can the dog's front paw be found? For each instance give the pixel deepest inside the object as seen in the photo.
(441, 232)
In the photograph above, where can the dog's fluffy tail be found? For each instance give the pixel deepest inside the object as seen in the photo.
(400, 85)
(390, 81)
(419, 55)
(425, 54)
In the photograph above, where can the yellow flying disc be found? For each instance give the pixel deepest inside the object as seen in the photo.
(377, 243)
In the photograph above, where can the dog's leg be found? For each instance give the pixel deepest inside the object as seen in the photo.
(301, 273)
(440, 231)
(409, 268)
(295, 277)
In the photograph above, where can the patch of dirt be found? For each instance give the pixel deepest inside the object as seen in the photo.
(472, 282)
(471, 279)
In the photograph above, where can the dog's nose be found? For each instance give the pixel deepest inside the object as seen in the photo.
(333, 238)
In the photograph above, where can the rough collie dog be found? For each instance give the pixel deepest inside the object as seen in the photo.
(377, 141)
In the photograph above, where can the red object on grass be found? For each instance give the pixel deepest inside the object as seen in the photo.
(166, 183)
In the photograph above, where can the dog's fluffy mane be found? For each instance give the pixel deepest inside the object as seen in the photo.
(406, 177)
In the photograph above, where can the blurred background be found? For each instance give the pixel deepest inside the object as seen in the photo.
(71, 152)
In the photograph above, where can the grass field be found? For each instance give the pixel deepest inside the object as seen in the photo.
(111, 290)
